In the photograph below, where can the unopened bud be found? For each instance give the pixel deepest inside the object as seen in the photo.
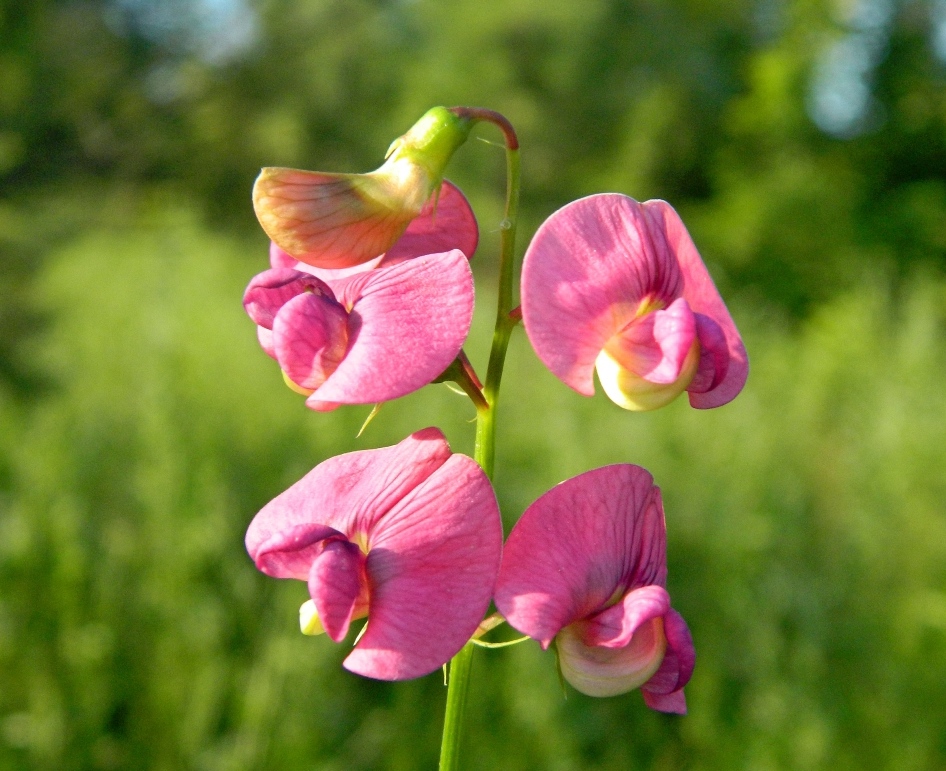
(340, 220)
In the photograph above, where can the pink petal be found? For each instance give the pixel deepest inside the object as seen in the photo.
(350, 492)
(655, 346)
(677, 666)
(447, 222)
(407, 323)
(270, 290)
(714, 356)
(335, 582)
(701, 293)
(444, 224)
(432, 566)
(584, 276)
(331, 220)
(310, 337)
(585, 541)
(614, 626)
(674, 703)
(287, 553)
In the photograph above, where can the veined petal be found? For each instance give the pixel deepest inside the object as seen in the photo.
(407, 323)
(338, 220)
(585, 542)
(588, 271)
(601, 671)
(350, 493)
(310, 337)
(446, 222)
(318, 216)
(701, 293)
(432, 566)
(336, 581)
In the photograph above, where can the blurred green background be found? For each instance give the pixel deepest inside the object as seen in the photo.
(804, 143)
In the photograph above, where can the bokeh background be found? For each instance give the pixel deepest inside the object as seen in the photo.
(803, 142)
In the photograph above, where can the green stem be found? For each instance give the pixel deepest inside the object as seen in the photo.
(461, 666)
(485, 448)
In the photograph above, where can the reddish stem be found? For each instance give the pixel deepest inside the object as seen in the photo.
(477, 114)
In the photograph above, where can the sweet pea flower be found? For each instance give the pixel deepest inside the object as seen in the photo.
(615, 285)
(409, 536)
(368, 337)
(339, 220)
(586, 566)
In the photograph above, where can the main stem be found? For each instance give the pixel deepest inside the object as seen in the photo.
(485, 448)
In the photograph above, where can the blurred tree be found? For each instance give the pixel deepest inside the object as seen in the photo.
(806, 145)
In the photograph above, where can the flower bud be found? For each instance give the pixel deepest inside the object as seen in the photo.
(340, 220)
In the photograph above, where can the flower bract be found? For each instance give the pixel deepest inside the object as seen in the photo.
(368, 337)
(408, 535)
(617, 286)
(586, 567)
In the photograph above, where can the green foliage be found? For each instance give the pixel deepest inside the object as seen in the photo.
(705, 104)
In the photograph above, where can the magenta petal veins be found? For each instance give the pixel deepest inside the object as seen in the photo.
(408, 534)
(586, 567)
(602, 265)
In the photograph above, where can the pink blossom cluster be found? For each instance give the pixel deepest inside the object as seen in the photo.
(410, 536)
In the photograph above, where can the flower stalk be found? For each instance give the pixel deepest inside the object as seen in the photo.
(485, 447)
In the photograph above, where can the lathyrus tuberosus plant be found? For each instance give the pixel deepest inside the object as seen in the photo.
(369, 296)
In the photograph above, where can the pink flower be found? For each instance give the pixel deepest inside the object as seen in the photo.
(586, 566)
(408, 535)
(368, 337)
(618, 286)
